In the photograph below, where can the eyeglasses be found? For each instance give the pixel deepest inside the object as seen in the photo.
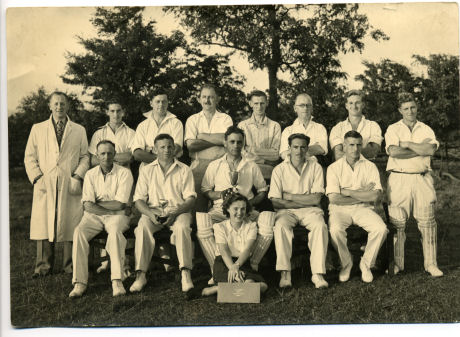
(303, 106)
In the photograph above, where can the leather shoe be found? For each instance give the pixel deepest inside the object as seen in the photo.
(285, 281)
(366, 274)
(78, 290)
(344, 274)
(319, 281)
(139, 284)
(434, 271)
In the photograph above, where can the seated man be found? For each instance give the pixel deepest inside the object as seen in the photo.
(232, 172)
(304, 124)
(263, 135)
(353, 183)
(165, 196)
(295, 191)
(369, 130)
(106, 190)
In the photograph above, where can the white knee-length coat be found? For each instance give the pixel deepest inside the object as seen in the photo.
(57, 164)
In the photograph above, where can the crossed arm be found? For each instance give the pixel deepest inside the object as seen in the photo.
(407, 150)
(104, 207)
(290, 200)
(204, 141)
(351, 197)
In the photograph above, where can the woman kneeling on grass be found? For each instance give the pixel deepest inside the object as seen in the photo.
(235, 239)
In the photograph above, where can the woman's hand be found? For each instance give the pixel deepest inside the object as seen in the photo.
(235, 274)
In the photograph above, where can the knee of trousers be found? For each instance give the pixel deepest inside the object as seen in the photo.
(182, 223)
(265, 223)
(204, 225)
(398, 216)
(425, 216)
(335, 229)
(143, 228)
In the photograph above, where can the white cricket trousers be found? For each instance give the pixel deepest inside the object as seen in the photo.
(313, 220)
(91, 225)
(413, 192)
(342, 216)
(180, 237)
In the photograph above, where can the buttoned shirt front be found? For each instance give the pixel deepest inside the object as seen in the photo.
(341, 175)
(174, 186)
(399, 132)
(265, 134)
(116, 185)
(236, 240)
(148, 129)
(317, 133)
(122, 138)
(286, 179)
(217, 178)
(198, 123)
(370, 131)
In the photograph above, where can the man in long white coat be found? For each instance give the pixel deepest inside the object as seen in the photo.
(56, 160)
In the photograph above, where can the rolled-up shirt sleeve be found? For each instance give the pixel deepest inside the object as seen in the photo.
(374, 177)
(336, 137)
(284, 139)
(178, 133)
(125, 184)
(191, 130)
(391, 138)
(138, 141)
(332, 181)
(259, 181)
(208, 182)
(88, 191)
(189, 185)
(276, 189)
(376, 133)
(318, 180)
(141, 192)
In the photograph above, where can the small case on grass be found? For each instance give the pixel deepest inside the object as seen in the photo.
(247, 292)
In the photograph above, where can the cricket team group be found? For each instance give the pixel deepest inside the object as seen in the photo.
(246, 186)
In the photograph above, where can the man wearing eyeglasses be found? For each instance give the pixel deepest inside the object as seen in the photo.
(233, 172)
(304, 124)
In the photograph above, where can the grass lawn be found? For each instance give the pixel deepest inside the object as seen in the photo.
(411, 297)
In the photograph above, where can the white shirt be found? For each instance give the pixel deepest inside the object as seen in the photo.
(370, 131)
(265, 134)
(317, 133)
(198, 123)
(286, 179)
(236, 240)
(122, 138)
(398, 132)
(175, 186)
(341, 175)
(217, 178)
(116, 185)
(148, 129)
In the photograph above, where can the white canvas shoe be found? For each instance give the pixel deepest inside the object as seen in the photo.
(78, 290)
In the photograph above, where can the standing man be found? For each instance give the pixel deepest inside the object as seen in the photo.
(165, 196)
(410, 145)
(106, 192)
(263, 136)
(158, 120)
(233, 172)
(353, 183)
(369, 130)
(56, 160)
(117, 132)
(204, 137)
(295, 191)
(304, 124)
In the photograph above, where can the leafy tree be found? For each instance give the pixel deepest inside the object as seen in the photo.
(302, 40)
(440, 94)
(382, 82)
(129, 58)
(32, 109)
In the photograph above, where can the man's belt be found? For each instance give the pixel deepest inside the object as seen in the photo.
(421, 173)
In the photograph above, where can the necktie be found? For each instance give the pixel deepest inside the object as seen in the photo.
(59, 131)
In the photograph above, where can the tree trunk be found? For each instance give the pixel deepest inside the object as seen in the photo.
(274, 62)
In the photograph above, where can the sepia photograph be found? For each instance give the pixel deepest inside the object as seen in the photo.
(231, 164)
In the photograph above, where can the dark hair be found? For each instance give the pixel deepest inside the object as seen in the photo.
(113, 101)
(233, 129)
(58, 93)
(405, 97)
(298, 136)
(157, 92)
(352, 134)
(257, 93)
(162, 136)
(209, 86)
(234, 197)
(350, 93)
(105, 141)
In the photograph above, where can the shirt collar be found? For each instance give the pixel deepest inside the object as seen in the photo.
(173, 165)
(54, 122)
(252, 120)
(241, 164)
(363, 118)
(360, 160)
(417, 123)
(149, 115)
(107, 125)
(111, 172)
(298, 122)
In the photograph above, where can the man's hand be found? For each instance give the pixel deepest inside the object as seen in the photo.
(368, 187)
(404, 144)
(128, 210)
(76, 176)
(225, 193)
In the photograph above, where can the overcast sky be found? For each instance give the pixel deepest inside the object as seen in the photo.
(37, 39)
